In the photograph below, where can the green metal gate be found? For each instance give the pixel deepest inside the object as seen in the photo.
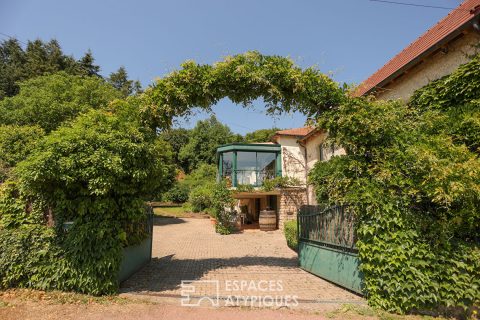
(326, 245)
(136, 256)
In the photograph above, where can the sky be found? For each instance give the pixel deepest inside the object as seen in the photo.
(350, 39)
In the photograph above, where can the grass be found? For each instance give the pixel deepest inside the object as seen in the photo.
(176, 212)
(351, 311)
(58, 297)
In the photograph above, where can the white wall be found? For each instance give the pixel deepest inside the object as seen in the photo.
(293, 159)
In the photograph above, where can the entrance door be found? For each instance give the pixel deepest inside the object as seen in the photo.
(257, 209)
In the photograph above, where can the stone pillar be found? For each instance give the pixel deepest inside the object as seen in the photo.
(289, 202)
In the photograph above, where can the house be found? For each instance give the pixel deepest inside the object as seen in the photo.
(291, 153)
(436, 53)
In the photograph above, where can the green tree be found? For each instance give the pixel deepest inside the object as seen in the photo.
(177, 139)
(205, 137)
(50, 100)
(262, 135)
(120, 81)
(87, 66)
(39, 58)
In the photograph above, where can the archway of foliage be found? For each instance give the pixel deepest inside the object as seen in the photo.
(242, 78)
(412, 172)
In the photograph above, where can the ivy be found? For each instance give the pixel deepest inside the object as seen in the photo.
(95, 172)
(412, 174)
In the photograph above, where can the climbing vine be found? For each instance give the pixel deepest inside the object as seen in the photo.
(242, 78)
(412, 173)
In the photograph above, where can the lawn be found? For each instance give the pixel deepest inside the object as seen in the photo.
(177, 212)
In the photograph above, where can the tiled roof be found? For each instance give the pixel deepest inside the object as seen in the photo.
(300, 132)
(442, 31)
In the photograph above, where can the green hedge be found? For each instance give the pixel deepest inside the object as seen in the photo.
(291, 234)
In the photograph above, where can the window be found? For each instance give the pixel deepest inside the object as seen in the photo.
(251, 167)
(227, 164)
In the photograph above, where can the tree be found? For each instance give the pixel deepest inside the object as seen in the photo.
(177, 138)
(120, 81)
(12, 63)
(262, 135)
(39, 58)
(87, 66)
(50, 100)
(204, 139)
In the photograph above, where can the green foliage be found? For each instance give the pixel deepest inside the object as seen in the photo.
(456, 89)
(119, 80)
(279, 182)
(242, 78)
(291, 234)
(37, 59)
(97, 173)
(32, 257)
(26, 257)
(205, 174)
(177, 139)
(222, 204)
(178, 193)
(201, 197)
(48, 101)
(262, 135)
(244, 188)
(16, 142)
(203, 142)
(412, 175)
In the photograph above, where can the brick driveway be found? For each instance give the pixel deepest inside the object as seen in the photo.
(189, 249)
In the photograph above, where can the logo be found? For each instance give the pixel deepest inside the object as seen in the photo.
(192, 293)
(246, 293)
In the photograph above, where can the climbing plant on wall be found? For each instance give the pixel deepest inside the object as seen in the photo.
(412, 173)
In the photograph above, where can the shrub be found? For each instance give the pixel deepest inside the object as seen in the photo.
(291, 234)
(279, 182)
(222, 204)
(177, 194)
(201, 198)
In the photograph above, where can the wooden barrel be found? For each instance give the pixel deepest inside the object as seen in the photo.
(267, 220)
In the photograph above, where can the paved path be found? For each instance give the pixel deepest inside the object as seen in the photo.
(252, 266)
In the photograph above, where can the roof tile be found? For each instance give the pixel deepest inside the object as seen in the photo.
(445, 27)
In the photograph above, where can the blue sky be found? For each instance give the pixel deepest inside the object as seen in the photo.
(349, 38)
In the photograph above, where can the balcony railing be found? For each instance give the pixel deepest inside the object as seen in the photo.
(251, 177)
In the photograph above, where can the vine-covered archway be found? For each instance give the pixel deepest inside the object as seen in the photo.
(283, 85)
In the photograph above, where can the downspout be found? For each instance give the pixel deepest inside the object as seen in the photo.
(306, 169)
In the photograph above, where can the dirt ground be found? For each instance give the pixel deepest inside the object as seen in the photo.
(31, 304)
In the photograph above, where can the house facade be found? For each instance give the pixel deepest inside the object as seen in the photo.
(291, 153)
(436, 53)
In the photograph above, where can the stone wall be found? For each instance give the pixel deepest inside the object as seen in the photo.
(289, 202)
